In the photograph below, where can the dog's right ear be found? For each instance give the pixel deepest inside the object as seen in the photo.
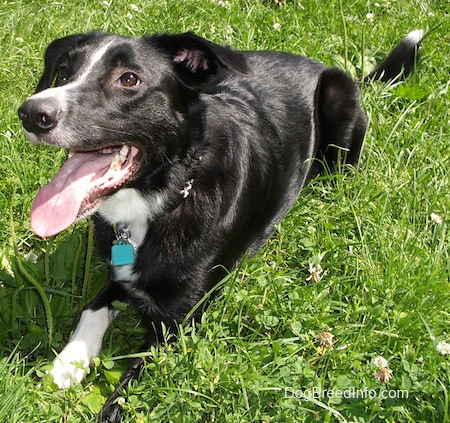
(199, 62)
(53, 57)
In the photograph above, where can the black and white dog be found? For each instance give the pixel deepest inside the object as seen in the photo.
(189, 153)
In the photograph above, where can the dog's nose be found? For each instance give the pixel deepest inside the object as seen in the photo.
(39, 116)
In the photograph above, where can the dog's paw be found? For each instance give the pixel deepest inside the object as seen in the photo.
(69, 367)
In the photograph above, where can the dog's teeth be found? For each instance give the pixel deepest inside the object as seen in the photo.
(124, 151)
(110, 174)
(116, 164)
(71, 153)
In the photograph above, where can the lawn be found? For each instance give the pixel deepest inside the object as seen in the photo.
(359, 270)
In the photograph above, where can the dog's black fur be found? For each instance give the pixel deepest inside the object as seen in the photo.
(226, 141)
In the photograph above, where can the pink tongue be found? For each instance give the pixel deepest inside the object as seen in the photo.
(57, 205)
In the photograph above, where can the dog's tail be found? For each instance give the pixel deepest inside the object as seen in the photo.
(402, 60)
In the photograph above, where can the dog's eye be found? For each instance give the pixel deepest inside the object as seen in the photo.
(129, 79)
(63, 73)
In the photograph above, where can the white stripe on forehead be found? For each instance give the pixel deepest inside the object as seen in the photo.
(96, 57)
(60, 91)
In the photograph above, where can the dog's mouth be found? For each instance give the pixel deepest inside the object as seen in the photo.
(84, 180)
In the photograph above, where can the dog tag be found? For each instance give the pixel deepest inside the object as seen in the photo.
(122, 253)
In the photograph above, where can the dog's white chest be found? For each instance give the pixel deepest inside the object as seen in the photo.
(128, 207)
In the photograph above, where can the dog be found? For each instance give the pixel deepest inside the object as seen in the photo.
(187, 154)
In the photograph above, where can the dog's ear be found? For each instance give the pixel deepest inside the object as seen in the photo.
(53, 57)
(199, 62)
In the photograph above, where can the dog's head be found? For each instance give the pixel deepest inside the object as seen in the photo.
(119, 106)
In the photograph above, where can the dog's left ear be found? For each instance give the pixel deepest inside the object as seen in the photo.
(199, 62)
(53, 56)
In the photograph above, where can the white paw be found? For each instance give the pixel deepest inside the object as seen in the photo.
(69, 366)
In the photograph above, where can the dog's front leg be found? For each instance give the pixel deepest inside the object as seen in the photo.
(69, 366)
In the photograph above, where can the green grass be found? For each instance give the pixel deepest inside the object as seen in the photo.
(385, 286)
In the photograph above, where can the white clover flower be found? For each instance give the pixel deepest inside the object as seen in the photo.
(436, 219)
(31, 257)
(134, 7)
(380, 362)
(384, 374)
(370, 17)
(276, 26)
(325, 339)
(229, 30)
(443, 348)
(315, 273)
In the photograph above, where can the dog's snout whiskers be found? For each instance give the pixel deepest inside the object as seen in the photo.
(115, 131)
